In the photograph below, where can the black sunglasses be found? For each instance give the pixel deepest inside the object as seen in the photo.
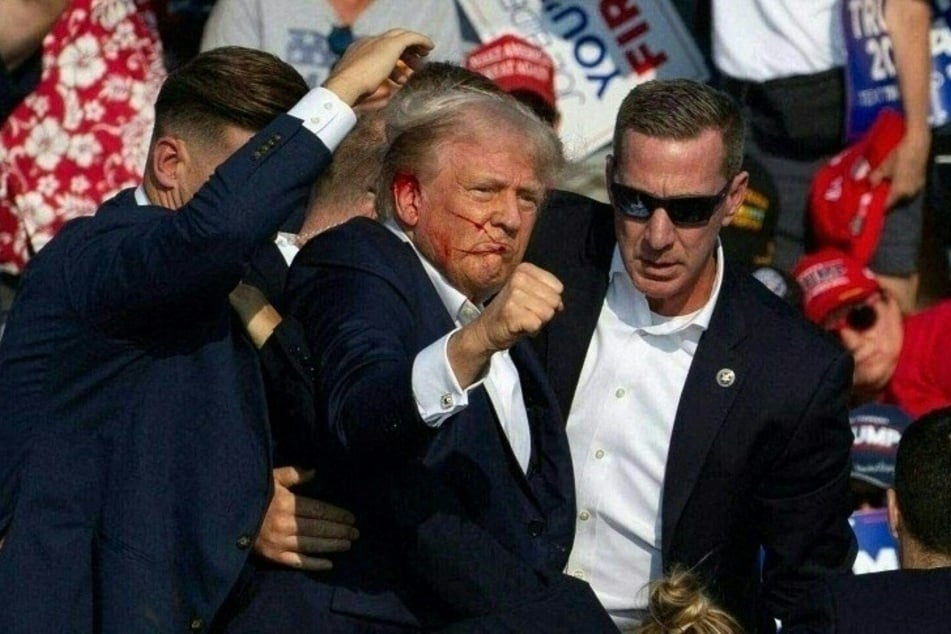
(859, 318)
(340, 38)
(683, 211)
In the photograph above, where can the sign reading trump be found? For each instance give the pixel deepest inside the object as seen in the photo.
(601, 49)
(871, 72)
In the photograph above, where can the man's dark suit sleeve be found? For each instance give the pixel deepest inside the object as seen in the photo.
(137, 275)
(803, 504)
(288, 370)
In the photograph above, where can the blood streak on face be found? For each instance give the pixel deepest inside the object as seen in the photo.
(473, 217)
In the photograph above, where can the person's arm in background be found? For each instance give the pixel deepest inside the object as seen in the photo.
(909, 26)
(25, 23)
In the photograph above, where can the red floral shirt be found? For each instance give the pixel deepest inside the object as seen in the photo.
(83, 134)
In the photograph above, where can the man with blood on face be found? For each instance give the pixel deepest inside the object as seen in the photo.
(472, 213)
(435, 423)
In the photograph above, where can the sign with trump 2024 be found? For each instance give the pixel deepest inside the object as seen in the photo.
(871, 72)
(601, 50)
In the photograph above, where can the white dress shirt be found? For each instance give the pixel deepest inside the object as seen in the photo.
(619, 432)
(435, 387)
(324, 114)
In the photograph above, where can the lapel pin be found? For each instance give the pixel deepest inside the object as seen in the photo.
(726, 377)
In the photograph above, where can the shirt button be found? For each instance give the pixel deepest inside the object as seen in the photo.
(196, 624)
(445, 401)
(599, 454)
(620, 392)
(315, 120)
(244, 542)
(578, 574)
(584, 515)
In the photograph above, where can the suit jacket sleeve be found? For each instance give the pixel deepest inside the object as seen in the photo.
(135, 275)
(288, 370)
(361, 332)
(805, 503)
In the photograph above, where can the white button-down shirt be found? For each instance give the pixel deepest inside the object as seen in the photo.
(435, 387)
(619, 432)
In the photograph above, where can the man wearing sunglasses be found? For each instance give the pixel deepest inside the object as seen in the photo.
(898, 360)
(706, 418)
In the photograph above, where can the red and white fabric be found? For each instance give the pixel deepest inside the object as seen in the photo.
(83, 134)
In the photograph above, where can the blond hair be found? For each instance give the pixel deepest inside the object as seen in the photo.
(678, 604)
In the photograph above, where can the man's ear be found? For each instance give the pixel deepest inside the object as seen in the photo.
(406, 198)
(894, 513)
(735, 196)
(168, 158)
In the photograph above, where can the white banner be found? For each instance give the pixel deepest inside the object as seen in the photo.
(601, 49)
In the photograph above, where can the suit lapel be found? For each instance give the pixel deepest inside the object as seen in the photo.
(565, 340)
(705, 402)
(569, 333)
(550, 483)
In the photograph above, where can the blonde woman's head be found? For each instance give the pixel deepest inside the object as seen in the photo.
(678, 604)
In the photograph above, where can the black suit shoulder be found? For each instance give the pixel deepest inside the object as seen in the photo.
(572, 230)
(770, 316)
(879, 603)
(360, 247)
(375, 244)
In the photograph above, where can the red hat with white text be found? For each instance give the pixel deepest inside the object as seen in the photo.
(514, 64)
(830, 280)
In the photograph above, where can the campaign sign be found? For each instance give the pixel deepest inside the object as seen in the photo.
(600, 50)
(871, 78)
(877, 548)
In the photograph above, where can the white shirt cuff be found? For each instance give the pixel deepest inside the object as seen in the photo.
(324, 114)
(435, 387)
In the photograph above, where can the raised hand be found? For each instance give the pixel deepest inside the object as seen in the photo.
(371, 61)
(528, 301)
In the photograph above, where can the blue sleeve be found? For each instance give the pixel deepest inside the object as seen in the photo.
(133, 275)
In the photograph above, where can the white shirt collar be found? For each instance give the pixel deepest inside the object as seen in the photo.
(141, 198)
(637, 311)
(451, 297)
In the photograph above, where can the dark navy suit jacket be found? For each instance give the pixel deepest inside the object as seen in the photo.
(134, 448)
(880, 603)
(451, 528)
(763, 461)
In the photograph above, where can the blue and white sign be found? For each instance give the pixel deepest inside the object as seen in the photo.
(877, 548)
(600, 49)
(871, 78)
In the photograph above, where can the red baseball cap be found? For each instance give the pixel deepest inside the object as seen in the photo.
(846, 211)
(515, 64)
(830, 280)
